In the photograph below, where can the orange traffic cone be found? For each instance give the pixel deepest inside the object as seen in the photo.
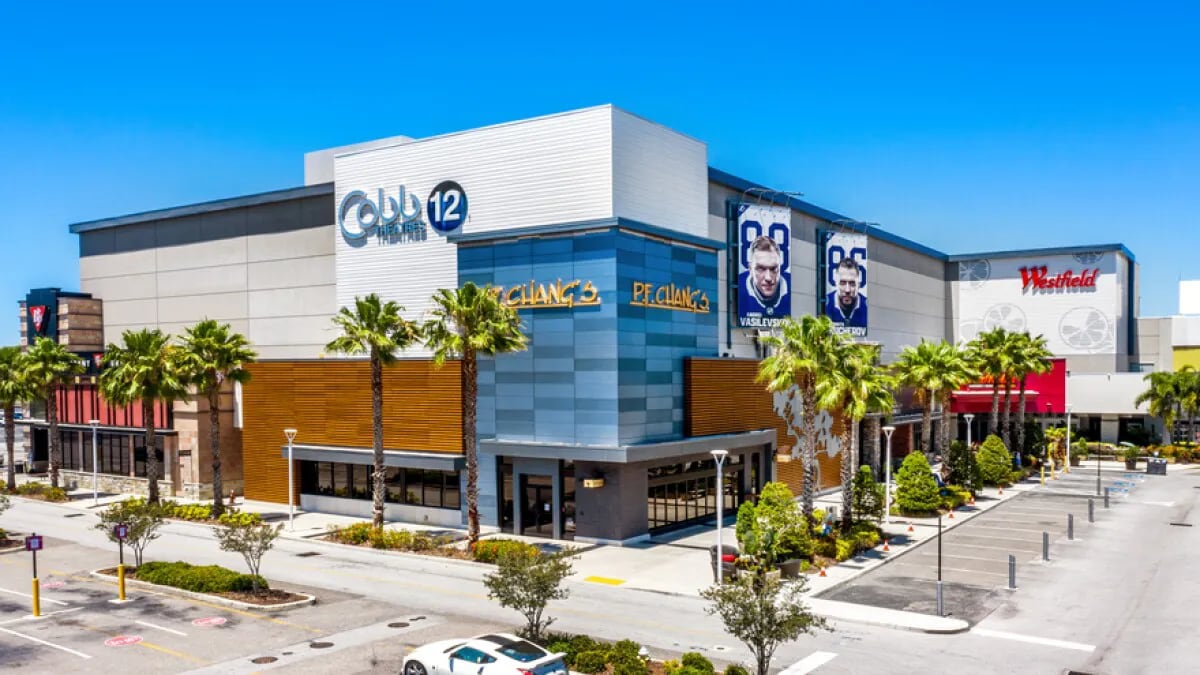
(885, 545)
(972, 500)
(823, 571)
(910, 527)
(1001, 489)
(951, 516)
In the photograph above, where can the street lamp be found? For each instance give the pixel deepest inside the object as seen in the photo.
(887, 479)
(720, 456)
(95, 493)
(291, 436)
(968, 417)
(1067, 468)
(939, 579)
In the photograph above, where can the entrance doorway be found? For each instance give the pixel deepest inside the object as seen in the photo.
(537, 506)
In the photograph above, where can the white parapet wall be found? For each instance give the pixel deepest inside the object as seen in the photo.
(1105, 393)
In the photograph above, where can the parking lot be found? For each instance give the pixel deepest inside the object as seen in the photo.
(81, 628)
(974, 555)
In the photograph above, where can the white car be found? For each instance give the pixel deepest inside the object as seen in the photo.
(493, 654)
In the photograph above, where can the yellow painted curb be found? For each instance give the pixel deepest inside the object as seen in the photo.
(605, 580)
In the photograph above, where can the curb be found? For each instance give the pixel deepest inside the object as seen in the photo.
(212, 599)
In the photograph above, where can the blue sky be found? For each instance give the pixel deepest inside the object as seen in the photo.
(963, 127)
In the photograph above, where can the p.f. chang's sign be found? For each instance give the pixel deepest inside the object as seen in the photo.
(1039, 279)
(560, 294)
(669, 296)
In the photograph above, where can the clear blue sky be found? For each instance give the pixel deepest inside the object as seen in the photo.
(964, 128)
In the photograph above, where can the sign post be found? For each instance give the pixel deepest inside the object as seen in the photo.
(33, 544)
(120, 532)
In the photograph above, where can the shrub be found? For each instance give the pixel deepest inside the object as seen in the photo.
(491, 550)
(955, 496)
(864, 536)
(826, 547)
(671, 667)
(623, 649)
(964, 469)
(995, 462)
(868, 495)
(845, 550)
(697, 660)
(43, 491)
(235, 518)
(1016, 476)
(580, 644)
(561, 647)
(916, 490)
(594, 661)
(625, 664)
(199, 579)
(736, 669)
(690, 670)
(773, 529)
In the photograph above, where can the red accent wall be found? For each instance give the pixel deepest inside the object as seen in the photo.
(81, 403)
(1050, 388)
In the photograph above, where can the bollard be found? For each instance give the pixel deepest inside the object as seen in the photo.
(121, 583)
(1046, 546)
(1091, 510)
(1106, 497)
(1070, 527)
(940, 609)
(37, 598)
(1043, 474)
(1012, 572)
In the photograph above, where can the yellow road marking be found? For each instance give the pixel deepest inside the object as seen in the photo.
(605, 580)
(171, 652)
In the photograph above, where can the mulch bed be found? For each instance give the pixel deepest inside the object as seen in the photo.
(448, 551)
(11, 543)
(273, 596)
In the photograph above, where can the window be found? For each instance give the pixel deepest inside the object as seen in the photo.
(361, 481)
(522, 650)
(436, 489)
(472, 655)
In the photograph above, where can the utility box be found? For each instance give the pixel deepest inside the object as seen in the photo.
(1156, 466)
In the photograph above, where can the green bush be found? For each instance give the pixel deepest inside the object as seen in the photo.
(964, 469)
(845, 550)
(865, 536)
(995, 462)
(624, 648)
(955, 496)
(1016, 476)
(629, 665)
(671, 667)
(916, 490)
(561, 647)
(691, 670)
(736, 669)
(491, 550)
(594, 661)
(42, 490)
(868, 497)
(773, 529)
(366, 534)
(697, 660)
(199, 579)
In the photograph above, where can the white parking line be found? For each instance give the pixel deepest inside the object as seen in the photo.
(983, 526)
(952, 569)
(43, 642)
(31, 618)
(1010, 549)
(162, 628)
(809, 663)
(964, 535)
(44, 598)
(955, 556)
(1032, 639)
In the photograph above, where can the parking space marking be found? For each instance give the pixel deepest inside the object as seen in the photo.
(982, 526)
(26, 595)
(48, 644)
(809, 663)
(43, 616)
(953, 569)
(162, 628)
(964, 535)
(966, 557)
(1032, 639)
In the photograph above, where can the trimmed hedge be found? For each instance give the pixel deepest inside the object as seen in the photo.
(199, 579)
(366, 534)
(43, 491)
(916, 489)
(995, 462)
(736, 669)
(491, 550)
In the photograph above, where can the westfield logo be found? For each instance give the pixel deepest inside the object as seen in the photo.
(38, 313)
(1039, 278)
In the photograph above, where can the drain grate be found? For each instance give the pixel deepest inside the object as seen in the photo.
(398, 624)
(320, 645)
(308, 554)
(417, 618)
(73, 515)
(1182, 524)
(264, 659)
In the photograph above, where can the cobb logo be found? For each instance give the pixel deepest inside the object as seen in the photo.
(400, 216)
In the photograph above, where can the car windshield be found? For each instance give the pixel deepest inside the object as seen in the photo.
(522, 650)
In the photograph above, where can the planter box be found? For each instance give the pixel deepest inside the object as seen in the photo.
(1075, 459)
(1131, 464)
(789, 569)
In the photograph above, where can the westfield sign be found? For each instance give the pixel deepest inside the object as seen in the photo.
(1038, 278)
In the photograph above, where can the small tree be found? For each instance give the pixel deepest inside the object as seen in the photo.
(995, 462)
(4, 504)
(868, 495)
(527, 583)
(777, 511)
(763, 613)
(141, 517)
(252, 540)
(916, 490)
(964, 469)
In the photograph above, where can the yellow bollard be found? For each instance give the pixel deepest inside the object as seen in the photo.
(1043, 474)
(121, 583)
(37, 598)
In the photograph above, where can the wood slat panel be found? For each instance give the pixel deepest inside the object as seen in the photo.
(329, 403)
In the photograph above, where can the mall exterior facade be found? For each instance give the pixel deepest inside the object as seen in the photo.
(631, 262)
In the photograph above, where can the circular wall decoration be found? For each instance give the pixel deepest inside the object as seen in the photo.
(1087, 329)
(975, 272)
(1004, 315)
(969, 329)
(1089, 257)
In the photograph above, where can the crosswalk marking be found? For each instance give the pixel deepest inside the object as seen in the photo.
(809, 663)
(1032, 639)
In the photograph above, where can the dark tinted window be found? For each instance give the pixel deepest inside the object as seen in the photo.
(522, 650)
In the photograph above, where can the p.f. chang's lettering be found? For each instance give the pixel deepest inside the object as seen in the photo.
(669, 296)
(1039, 278)
(558, 294)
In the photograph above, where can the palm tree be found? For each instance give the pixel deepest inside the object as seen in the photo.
(935, 370)
(1032, 358)
(144, 368)
(1162, 399)
(374, 328)
(990, 356)
(855, 387)
(48, 365)
(13, 390)
(1013, 344)
(466, 323)
(1187, 383)
(801, 352)
(211, 355)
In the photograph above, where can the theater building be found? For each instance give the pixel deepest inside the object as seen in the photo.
(644, 278)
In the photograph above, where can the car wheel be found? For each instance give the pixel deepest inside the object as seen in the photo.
(414, 668)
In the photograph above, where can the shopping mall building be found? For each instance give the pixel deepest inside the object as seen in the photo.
(645, 279)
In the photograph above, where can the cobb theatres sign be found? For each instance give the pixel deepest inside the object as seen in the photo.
(402, 217)
(1039, 279)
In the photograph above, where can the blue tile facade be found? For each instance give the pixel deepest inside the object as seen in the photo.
(600, 375)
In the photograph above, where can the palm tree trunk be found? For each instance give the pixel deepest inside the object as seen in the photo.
(151, 448)
(377, 441)
(808, 449)
(927, 425)
(214, 443)
(1021, 420)
(1006, 427)
(849, 446)
(55, 447)
(874, 458)
(10, 432)
(994, 420)
(470, 388)
(949, 426)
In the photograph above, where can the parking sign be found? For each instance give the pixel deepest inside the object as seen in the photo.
(33, 543)
(121, 531)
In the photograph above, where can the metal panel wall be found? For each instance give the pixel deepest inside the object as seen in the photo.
(660, 176)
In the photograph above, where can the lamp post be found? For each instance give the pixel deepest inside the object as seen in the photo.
(939, 579)
(720, 456)
(1067, 467)
(887, 476)
(95, 493)
(291, 436)
(968, 417)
